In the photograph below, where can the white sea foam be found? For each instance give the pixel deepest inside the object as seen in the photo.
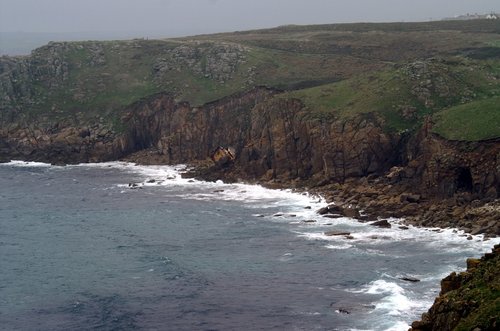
(451, 240)
(16, 163)
(395, 302)
(340, 246)
(399, 326)
(292, 202)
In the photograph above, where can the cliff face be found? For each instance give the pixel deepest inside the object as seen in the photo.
(468, 170)
(273, 137)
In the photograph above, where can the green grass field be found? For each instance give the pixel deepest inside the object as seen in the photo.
(476, 120)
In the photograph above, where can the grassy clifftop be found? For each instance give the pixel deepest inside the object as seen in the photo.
(399, 71)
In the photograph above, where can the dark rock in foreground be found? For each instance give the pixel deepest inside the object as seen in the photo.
(469, 300)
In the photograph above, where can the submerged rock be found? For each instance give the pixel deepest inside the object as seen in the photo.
(336, 233)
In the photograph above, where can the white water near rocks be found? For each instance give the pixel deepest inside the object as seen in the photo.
(82, 248)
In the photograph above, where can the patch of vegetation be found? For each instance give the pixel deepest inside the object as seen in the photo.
(473, 121)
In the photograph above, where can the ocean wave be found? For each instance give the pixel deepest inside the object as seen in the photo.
(17, 163)
(208, 191)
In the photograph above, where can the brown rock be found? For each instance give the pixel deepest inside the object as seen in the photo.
(450, 283)
(472, 263)
(351, 212)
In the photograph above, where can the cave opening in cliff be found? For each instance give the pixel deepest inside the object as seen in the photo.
(464, 180)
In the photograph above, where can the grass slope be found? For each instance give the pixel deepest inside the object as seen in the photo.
(403, 96)
(338, 70)
(476, 120)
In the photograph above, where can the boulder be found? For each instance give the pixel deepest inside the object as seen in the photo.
(330, 209)
(351, 212)
(223, 156)
(382, 224)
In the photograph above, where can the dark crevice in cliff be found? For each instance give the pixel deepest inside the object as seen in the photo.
(464, 180)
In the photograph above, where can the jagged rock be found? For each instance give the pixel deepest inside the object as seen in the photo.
(472, 263)
(450, 283)
(223, 156)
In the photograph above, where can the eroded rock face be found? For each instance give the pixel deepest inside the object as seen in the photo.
(451, 168)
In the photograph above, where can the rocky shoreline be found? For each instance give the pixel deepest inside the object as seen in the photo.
(375, 198)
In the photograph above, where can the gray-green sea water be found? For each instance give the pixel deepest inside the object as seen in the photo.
(81, 250)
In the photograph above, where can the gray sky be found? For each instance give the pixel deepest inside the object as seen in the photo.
(174, 17)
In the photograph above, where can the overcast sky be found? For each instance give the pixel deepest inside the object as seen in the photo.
(173, 17)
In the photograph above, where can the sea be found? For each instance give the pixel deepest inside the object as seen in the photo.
(117, 246)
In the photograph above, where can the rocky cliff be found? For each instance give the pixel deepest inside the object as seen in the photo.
(469, 300)
(273, 137)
